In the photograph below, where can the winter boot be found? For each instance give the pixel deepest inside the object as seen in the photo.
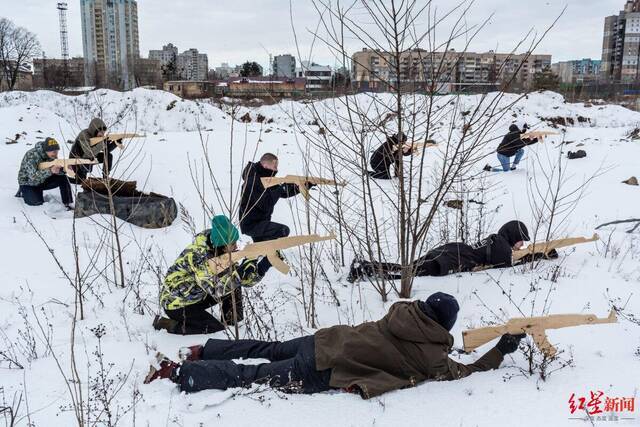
(355, 271)
(514, 167)
(190, 354)
(164, 323)
(167, 369)
(487, 168)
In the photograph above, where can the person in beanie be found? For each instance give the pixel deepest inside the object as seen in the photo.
(191, 287)
(409, 345)
(257, 203)
(493, 252)
(387, 155)
(82, 149)
(512, 145)
(33, 181)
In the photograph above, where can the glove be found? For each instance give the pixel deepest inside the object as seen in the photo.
(509, 343)
(525, 127)
(310, 185)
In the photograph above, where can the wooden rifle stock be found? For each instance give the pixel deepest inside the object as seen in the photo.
(546, 247)
(65, 163)
(300, 181)
(534, 326)
(113, 137)
(269, 249)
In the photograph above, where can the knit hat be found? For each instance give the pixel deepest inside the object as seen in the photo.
(51, 144)
(443, 308)
(223, 232)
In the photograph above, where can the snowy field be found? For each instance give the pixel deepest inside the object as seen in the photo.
(589, 278)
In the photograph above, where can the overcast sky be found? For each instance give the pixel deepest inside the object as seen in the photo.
(237, 30)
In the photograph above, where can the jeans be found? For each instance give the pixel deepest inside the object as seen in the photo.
(33, 194)
(292, 367)
(505, 161)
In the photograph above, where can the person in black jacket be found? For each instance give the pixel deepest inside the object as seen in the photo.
(386, 155)
(512, 145)
(494, 251)
(257, 202)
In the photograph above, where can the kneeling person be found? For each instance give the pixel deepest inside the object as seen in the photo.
(191, 287)
(257, 203)
(409, 345)
(33, 181)
(82, 149)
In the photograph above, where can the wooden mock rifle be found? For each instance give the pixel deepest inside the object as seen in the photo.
(300, 181)
(546, 247)
(415, 146)
(540, 134)
(65, 163)
(268, 249)
(534, 326)
(113, 137)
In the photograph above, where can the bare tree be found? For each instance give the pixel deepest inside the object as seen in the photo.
(17, 47)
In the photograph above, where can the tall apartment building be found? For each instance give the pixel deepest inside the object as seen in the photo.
(110, 42)
(621, 44)
(372, 69)
(168, 54)
(577, 71)
(192, 65)
(284, 66)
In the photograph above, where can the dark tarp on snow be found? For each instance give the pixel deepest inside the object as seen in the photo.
(144, 210)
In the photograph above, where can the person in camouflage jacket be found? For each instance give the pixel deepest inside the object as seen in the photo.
(82, 149)
(33, 181)
(191, 286)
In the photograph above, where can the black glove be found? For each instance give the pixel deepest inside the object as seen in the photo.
(310, 185)
(509, 343)
(552, 254)
(525, 127)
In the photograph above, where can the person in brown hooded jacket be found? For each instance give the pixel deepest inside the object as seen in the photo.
(82, 149)
(406, 347)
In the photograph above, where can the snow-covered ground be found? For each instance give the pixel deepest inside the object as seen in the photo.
(588, 279)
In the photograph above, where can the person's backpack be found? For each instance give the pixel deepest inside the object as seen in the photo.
(576, 154)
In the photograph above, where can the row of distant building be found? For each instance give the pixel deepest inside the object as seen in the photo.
(111, 58)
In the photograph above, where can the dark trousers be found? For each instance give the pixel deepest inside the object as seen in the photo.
(267, 230)
(33, 194)
(422, 267)
(382, 170)
(83, 170)
(292, 367)
(196, 319)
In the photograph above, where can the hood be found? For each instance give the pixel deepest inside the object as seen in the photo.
(258, 169)
(40, 146)
(514, 128)
(514, 231)
(408, 323)
(95, 126)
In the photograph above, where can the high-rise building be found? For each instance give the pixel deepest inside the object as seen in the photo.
(110, 42)
(168, 54)
(621, 44)
(284, 66)
(577, 71)
(192, 65)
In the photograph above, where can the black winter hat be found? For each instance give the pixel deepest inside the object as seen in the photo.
(443, 308)
(514, 231)
(51, 144)
(514, 128)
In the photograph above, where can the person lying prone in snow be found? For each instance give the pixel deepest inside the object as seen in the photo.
(493, 252)
(406, 347)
